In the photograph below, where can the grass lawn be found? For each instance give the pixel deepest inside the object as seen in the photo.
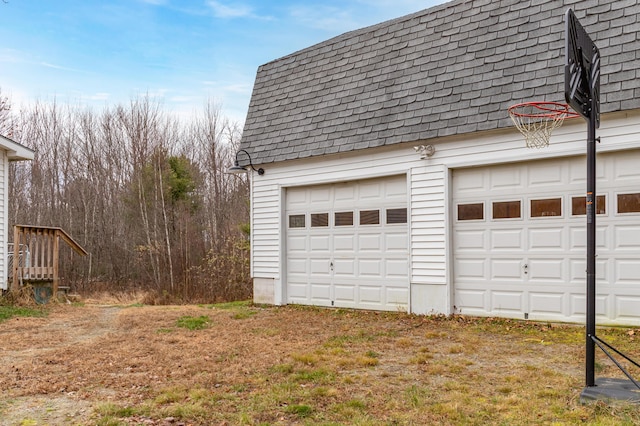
(242, 364)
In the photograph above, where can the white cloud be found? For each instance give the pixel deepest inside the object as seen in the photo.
(58, 67)
(183, 99)
(238, 88)
(100, 96)
(10, 55)
(221, 10)
(325, 18)
(404, 6)
(355, 14)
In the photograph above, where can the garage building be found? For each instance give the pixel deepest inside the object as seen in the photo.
(349, 214)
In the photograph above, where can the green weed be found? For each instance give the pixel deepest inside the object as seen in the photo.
(193, 323)
(7, 312)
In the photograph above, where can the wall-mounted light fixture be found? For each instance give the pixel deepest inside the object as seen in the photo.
(237, 168)
(425, 150)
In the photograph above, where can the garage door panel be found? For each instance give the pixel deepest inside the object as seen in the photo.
(507, 239)
(320, 291)
(297, 199)
(627, 237)
(344, 243)
(344, 195)
(626, 169)
(369, 267)
(395, 241)
(578, 303)
(339, 261)
(578, 237)
(473, 299)
(319, 243)
(469, 240)
(297, 267)
(396, 268)
(395, 188)
(547, 270)
(507, 301)
(297, 290)
(510, 178)
(546, 239)
(627, 306)
(471, 269)
(506, 269)
(344, 267)
(370, 294)
(553, 247)
(578, 174)
(319, 197)
(319, 268)
(397, 296)
(370, 242)
(578, 270)
(344, 293)
(469, 183)
(546, 175)
(547, 302)
(371, 192)
(297, 243)
(627, 271)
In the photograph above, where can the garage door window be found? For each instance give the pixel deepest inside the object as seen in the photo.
(546, 207)
(369, 217)
(473, 211)
(296, 221)
(396, 216)
(343, 218)
(579, 205)
(319, 220)
(506, 210)
(629, 203)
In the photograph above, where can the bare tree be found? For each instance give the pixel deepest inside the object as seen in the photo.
(145, 194)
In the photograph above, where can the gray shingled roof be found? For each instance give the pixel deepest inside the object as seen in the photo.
(451, 69)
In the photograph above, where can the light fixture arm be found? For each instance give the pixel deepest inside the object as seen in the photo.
(237, 164)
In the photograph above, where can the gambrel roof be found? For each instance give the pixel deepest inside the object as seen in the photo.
(451, 69)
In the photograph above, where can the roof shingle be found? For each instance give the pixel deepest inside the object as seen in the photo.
(451, 69)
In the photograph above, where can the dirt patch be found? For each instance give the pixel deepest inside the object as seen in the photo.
(290, 365)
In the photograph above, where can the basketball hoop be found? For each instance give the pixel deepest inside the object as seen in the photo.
(537, 120)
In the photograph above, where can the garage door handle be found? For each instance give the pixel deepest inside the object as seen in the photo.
(331, 265)
(526, 268)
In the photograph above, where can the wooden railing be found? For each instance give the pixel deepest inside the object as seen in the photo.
(42, 244)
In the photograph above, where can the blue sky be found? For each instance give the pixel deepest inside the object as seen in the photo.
(183, 52)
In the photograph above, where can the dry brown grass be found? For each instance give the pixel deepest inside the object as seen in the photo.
(110, 365)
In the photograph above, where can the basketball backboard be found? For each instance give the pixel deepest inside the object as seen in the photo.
(581, 70)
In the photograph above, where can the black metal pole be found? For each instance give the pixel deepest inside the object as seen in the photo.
(591, 247)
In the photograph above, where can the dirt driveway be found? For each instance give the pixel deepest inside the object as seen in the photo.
(252, 365)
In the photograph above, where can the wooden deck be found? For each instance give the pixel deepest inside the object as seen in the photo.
(42, 243)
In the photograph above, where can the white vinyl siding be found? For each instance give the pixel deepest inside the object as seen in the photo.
(265, 230)
(428, 219)
(4, 217)
(428, 182)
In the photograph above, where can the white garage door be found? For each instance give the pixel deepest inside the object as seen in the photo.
(347, 244)
(520, 239)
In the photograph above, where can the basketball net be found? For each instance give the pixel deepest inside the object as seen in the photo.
(537, 120)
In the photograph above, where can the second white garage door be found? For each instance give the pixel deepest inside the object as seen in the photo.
(347, 244)
(520, 239)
